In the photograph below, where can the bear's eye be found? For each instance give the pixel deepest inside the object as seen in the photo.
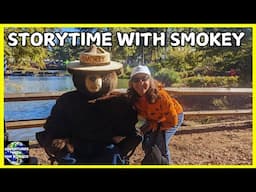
(93, 78)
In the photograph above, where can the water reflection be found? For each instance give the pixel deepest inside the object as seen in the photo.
(27, 109)
(26, 84)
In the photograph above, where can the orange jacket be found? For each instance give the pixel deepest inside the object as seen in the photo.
(165, 111)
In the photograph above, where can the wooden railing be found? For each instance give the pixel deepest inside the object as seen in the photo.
(173, 91)
(31, 123)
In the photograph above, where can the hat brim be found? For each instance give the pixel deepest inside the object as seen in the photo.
(77, 66)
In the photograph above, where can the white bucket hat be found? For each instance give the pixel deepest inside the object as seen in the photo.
(140, 69)
(95, 60)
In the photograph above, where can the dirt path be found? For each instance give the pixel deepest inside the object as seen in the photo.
(227, 144)
(227, 147)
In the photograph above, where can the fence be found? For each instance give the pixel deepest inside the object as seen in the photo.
(31, 123)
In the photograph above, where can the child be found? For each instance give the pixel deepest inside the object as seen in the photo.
(155, 105)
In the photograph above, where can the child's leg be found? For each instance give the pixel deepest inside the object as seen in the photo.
(170, 132)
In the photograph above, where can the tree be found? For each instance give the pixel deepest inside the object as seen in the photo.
(225, 58)
(24, 57)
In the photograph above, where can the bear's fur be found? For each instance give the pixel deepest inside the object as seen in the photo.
(86, 122)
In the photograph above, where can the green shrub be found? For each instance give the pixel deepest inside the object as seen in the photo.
(221, 103)
(154, 67)
(167, 76)
(211, 81)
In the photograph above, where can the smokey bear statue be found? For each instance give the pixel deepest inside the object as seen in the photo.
(92, 124)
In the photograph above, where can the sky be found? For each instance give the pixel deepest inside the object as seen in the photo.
(70, 29)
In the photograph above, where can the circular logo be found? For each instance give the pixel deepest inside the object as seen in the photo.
(16, 153)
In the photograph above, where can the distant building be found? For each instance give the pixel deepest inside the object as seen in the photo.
(55, 65)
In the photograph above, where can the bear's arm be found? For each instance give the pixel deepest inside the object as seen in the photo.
(57, 124)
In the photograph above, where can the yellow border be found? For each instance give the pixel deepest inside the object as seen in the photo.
(102, 25)
(125, 25)
(2, 98)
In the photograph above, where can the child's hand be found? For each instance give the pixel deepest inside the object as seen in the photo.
(145, 128)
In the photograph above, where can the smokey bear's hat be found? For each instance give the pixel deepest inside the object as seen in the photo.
(94, 60)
